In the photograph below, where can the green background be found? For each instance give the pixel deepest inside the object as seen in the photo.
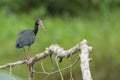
(67, 22)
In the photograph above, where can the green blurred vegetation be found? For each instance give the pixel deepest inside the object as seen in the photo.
(67, 22)
(61, 7)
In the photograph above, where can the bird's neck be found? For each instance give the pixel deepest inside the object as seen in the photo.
(35, 29)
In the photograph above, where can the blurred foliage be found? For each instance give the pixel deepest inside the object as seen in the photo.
(53, 7)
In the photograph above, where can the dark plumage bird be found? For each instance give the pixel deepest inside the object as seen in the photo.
(27, 37)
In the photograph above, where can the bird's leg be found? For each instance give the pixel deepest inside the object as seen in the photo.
(25, 56)
(28, 53)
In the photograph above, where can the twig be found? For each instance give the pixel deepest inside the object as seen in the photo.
(11, 76)
(47, 77)
(50, 73)
(43, 68)
(59, 68)
(10, 72)
(71, 77)
(43, 71)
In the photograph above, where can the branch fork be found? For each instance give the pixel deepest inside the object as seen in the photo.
(60, 53)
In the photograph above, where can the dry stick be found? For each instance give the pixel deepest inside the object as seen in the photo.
(47, 77)
(53, 49)
(59, 68)
(44, 71)
(11, 76)
(10, 72)
(43, 68)
(30, 71)
(12, 64)
(71, 77)
(84, 56)
(50, 73)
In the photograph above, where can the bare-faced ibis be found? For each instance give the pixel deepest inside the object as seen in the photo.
(27, 37)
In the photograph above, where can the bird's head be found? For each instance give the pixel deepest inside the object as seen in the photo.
(39, 22)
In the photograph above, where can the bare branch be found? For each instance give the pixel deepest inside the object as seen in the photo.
(84, 57)
(12, 64)
(60, 53)
(31, 71)
(55, 49)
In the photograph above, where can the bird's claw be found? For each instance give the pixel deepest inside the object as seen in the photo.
(26, 57)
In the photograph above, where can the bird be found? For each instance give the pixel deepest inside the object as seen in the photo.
(27, 37)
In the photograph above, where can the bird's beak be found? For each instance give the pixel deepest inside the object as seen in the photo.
(42, 26)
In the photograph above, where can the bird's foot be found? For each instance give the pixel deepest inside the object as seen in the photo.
(27, 57)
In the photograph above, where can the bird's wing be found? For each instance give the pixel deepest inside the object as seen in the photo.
(25, 38)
